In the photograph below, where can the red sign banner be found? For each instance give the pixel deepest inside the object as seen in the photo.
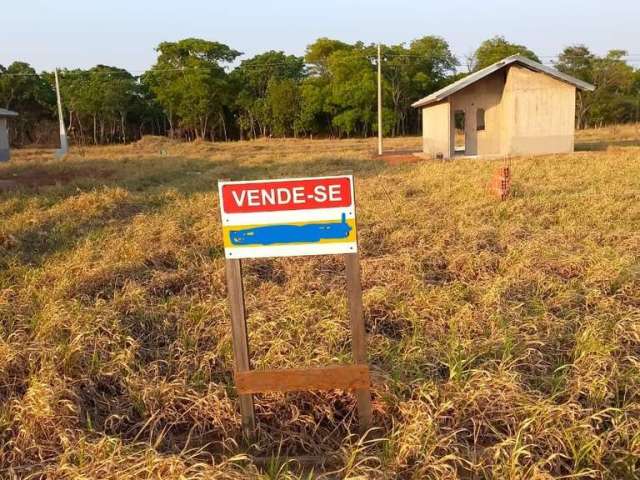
(272, 196)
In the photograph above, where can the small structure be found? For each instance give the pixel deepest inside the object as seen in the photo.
(4, 134)
(513, 107)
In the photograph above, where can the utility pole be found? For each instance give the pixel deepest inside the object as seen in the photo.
(64, 145)
(379, 102)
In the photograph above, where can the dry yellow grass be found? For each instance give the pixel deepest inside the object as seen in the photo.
(504, 336)
(610, 134)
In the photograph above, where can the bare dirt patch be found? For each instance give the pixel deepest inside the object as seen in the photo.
(8, 185)
(39, 177)
(399, 157)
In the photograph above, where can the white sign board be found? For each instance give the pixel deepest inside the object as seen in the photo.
(288, 217)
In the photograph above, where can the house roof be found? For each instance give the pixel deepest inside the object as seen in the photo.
(7, 113)
(480, 74)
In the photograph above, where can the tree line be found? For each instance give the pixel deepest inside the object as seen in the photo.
(197, 89)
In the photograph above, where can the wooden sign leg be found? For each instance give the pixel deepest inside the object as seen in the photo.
(358, 334)
(240, 340)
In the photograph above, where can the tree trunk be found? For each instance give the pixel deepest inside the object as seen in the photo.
(82, 140)
(122, 125)
(224, 126)
(170, 120)
(253, 127)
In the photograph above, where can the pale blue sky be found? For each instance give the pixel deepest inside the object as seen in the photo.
(83, 33)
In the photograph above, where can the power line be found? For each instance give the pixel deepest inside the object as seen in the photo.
(127, 73)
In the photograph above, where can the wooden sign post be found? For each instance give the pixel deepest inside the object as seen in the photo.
(307, 216)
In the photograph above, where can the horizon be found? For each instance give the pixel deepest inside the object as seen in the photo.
(111, 34)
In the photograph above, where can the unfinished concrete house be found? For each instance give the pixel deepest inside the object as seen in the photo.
(4, 133)
(513, 107)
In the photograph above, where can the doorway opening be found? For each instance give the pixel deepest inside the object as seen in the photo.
(460, 140)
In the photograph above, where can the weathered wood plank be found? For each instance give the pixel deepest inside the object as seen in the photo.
(358, 334)
(240, 339)
(343, 377)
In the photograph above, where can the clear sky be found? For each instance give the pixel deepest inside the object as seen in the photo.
(123, 33)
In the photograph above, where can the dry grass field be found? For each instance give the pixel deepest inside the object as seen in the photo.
(504, 337)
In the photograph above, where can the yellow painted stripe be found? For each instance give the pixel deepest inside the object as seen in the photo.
(227, 237)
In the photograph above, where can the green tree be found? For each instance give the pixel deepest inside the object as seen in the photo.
(146, 112)
(497, 48)
(317, 54)
(283, 102)
(114, 90)
(23, 90)
(78, 103)
(577, 61)
(353, 90)
(316, 111)
(252, 80)
(411, 73)
(191, 84)
(615, 97)
(103, 96)
(340, 93)
(612, 101)
(315, 115)
(635, 89)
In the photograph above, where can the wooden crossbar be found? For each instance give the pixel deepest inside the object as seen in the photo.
(346, 377)
(343, 377)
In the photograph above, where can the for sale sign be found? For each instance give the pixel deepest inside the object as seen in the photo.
(287, 217)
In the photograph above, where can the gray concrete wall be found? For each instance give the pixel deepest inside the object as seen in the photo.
(485, 94)
(4, 141)
(526, 113)
(436, 130)
(539, 113)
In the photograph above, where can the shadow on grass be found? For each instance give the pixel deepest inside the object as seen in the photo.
(187, 175)
(145, 179)
(599, 146)
(36, 241)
